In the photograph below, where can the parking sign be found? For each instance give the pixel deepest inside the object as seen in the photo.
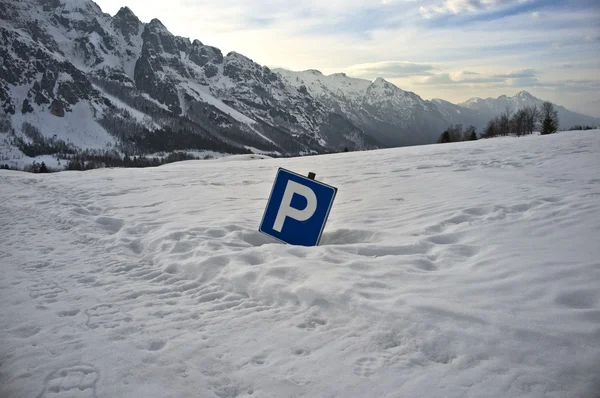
(297, 209)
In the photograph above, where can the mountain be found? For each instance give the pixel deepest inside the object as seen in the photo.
(75, 75)
(391, 115)
(74, 78)
(489, 108)
(591, 108)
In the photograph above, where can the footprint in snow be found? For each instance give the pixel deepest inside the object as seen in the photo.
(74, 381)
(109, 224)
(107, 316)
(154, 345)
(46, 292)
(368, 366)
(312, 323)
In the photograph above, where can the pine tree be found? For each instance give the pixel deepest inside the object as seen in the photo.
(444, 138)
(548, 125)
(549, 119)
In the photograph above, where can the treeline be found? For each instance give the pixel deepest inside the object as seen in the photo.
(39, 144)
(89, 160)
(580, 127)
(522, 122)
(455, 133)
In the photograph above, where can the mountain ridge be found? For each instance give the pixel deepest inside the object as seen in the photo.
(114, 83)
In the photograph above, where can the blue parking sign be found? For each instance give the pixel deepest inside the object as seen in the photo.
(297, 209)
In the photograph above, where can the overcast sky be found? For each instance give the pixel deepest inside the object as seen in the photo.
(449, 49)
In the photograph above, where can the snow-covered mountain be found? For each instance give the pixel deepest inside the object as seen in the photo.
(591, 108)
(491, 107)
(79, 75)
(391, 115)
(73, 77)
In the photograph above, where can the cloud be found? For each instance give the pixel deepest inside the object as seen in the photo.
(390, 69)
(460, 6)
(524, 77)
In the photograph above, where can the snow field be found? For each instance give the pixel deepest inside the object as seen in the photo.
(456, 270)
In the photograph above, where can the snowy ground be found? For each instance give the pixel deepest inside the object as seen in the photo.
(456, 270)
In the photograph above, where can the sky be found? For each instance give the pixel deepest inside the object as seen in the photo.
(449, 49)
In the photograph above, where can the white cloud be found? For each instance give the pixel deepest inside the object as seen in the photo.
(390, 69)
(459, 6)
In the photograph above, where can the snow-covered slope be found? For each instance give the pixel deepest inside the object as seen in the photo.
(492, 107)
(456, 270)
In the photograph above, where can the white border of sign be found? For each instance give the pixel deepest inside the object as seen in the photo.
(306, 178)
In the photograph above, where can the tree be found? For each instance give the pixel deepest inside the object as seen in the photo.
(456, 133)
(470, 133)
(492, 129)
(518, 122)
(548, 126)
(444, 138)
(504, 122)
(549, 118)
(532, 116)
(43, 168)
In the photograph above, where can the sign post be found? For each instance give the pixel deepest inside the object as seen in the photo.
(297, 209)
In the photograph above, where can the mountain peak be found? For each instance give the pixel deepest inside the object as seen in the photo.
(524, 94)
(125, 11)
(158, 27)
(472, 100)
(238, 56)
(85, 7)
(380, 82)
(126, 15)
(314, 72)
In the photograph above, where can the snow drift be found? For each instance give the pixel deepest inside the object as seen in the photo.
(457, 270)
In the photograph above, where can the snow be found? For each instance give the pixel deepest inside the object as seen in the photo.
(199, 92)
(136, 114)
(455, 270)
(317, 84)
(16, 160)
(77, 127)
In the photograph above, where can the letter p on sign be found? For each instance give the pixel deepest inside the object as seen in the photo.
(297, 209)
(285, 209)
